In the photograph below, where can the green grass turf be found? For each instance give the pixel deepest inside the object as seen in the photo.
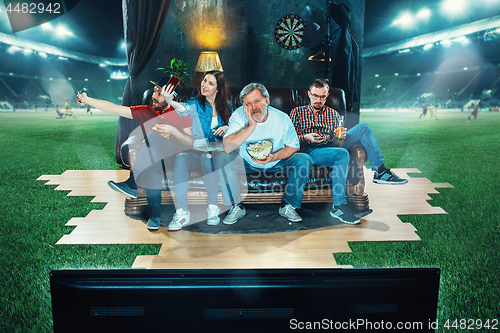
(32, 215)
(463, 244)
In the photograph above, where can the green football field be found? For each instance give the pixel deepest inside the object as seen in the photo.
(463, 244)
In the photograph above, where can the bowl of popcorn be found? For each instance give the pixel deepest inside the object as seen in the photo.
(260, 149)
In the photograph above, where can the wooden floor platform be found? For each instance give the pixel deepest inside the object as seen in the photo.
(189, 250)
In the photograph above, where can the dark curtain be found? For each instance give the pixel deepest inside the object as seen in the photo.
(142, 25)
(346, 67)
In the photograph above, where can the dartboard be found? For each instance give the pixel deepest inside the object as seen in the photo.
(289, 31)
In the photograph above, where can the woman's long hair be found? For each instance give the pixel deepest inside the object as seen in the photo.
(221, 104)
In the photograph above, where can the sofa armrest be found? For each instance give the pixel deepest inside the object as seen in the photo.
(130, 149)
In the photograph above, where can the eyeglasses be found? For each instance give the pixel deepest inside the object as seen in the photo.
(318, 97)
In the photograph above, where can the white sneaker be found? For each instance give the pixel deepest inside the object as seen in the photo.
(235, 213)
(213, 212)
(289, 212)
(180, 219)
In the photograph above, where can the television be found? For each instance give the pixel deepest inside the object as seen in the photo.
(244, 300)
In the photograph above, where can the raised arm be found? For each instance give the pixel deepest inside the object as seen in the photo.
(168, 92)
(105, 106)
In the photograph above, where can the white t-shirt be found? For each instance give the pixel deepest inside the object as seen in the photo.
(215, 123)
(278, 128)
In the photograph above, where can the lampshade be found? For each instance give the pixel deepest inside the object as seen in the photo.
(208, 61)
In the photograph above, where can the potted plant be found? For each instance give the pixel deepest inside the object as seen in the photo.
(178, 68)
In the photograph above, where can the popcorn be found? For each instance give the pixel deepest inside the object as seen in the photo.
(260, 149)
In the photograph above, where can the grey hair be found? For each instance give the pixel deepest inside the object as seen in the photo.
(251, 87)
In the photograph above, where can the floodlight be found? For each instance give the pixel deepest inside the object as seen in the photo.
(404, 51)
(466, 68)
(119, 75)
(376, 75)
(396, 74)
(424, 13)
(42, 54)
(13, 49)
(102, 65)
(428, 46)
(462, 39)
(86, 79)
(446, 42)
(63, 31)
(62, 58)
(453, 7)
(405, 20)
(47, 26)
(27, 51)
(418, 74)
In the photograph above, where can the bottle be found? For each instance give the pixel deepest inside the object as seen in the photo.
(338, 140)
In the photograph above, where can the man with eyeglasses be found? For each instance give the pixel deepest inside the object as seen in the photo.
(252, 128)
(315, 124)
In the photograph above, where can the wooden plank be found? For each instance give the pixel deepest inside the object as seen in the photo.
(297, 249)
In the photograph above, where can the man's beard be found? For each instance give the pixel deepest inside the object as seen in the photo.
(263, 115)
(317, 106)
(159, 106)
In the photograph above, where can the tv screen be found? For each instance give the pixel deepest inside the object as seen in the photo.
(244, 300)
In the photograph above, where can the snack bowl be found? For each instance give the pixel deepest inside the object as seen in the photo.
(260, 149)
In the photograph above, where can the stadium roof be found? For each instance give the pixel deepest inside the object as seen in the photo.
(447, 34)
(50, 49)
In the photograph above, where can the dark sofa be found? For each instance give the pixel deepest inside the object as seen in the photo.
(264, 188)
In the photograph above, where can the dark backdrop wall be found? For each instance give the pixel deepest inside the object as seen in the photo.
(242, 32)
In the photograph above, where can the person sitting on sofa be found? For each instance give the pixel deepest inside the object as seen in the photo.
(315, 124)
(210, 114)
(167, 135)
(267, 141)
(129, 187)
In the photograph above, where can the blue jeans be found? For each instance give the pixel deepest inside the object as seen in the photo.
(363, 133)
(298, 166)
(193, 160)
(338, 159)
(156, 155)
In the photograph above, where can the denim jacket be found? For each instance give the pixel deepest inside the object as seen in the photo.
(201, 118)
